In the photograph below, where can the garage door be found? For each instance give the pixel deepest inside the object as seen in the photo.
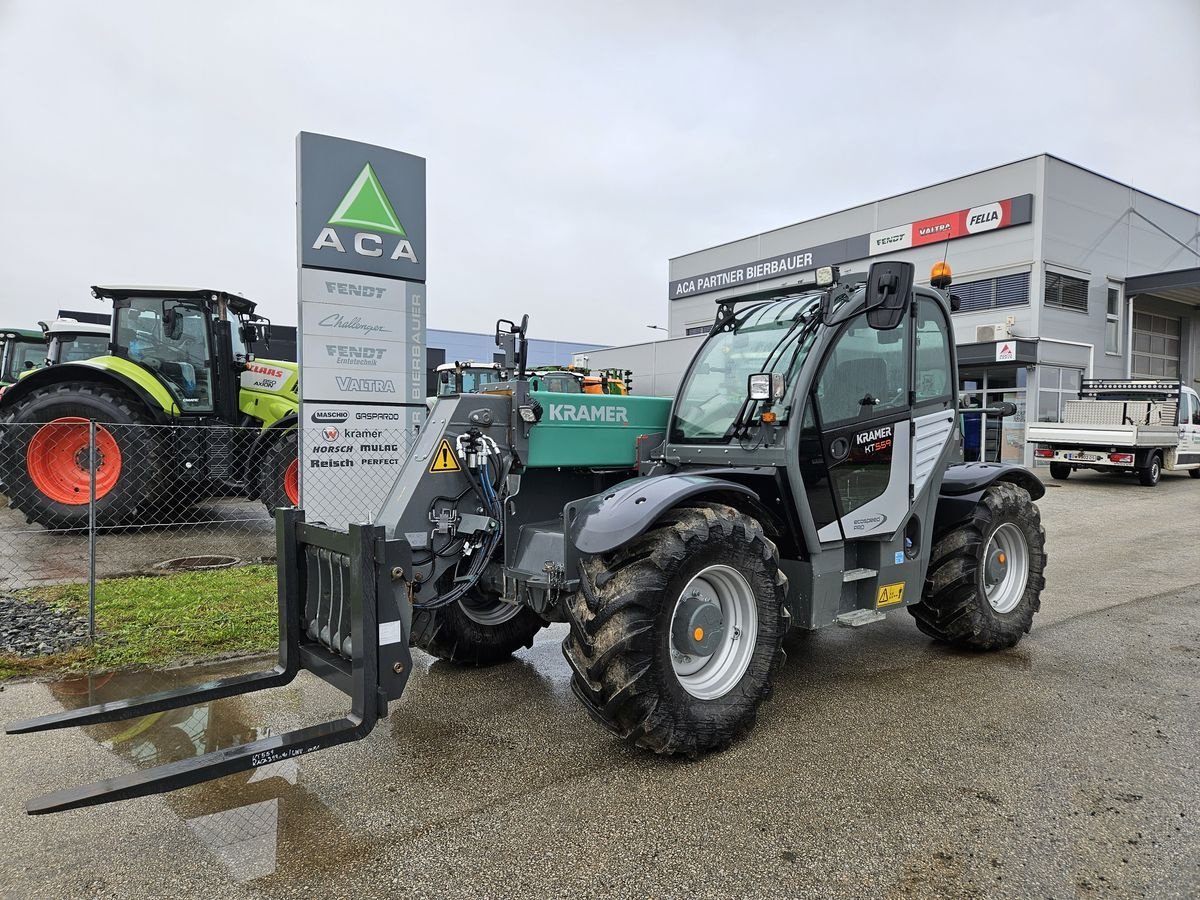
(1155, 346)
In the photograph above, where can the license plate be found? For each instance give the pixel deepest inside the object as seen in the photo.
(1084, 457)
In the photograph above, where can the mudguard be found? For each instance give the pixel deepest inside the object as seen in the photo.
(605, 521)
(118, 372)
(964, 484)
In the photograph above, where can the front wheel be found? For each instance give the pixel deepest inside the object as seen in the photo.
(279, 477)
(986, 575)
(675, 638)
(478, 629)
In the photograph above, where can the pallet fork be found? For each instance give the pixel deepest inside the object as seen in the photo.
(344, 615)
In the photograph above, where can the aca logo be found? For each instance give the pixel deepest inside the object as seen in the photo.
(366, 207)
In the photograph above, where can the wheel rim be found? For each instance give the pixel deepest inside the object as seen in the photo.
(714, 590)
(57, 461)
(291, 482)
(487, 610)
(1005, 568)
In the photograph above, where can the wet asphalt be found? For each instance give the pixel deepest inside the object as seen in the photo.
(884, 766)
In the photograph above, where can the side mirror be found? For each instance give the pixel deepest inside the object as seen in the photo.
(172, 325)
(444, 376)
(889, 291)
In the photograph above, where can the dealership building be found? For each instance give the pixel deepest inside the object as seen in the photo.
(1062, 273)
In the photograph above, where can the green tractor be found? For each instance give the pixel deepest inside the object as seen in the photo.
(21, 350)
(183, 412)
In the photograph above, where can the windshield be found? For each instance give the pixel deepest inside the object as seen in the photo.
(27, 356)
(77, 347)
(169, 337)
(774, 337)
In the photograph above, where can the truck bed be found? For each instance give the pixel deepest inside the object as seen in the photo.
(1077, 435)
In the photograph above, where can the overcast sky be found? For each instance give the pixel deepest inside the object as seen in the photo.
(572, 147)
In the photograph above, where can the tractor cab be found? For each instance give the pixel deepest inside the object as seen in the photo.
(21, 350)
(467, 377)
(186, 341)
(69, 340)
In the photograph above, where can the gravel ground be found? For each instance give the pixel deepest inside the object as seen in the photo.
(34, 629)
(884, 766)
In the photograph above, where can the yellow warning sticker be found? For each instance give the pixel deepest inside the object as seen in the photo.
(890, 595)
(445, 460)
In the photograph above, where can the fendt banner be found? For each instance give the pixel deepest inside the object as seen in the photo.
(361, 230)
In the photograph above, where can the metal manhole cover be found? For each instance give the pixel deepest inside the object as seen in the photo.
(197, 563)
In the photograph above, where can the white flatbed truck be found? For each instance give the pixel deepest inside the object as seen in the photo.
(1123, 426)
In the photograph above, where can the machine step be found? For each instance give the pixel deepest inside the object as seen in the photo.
(858, 574)
(860, 617)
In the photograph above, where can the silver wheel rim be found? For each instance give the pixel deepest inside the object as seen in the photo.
(487, 610)
(1005, 568)
(715, 675)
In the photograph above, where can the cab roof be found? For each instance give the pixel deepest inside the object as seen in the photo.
(26, 333)
(236, 302)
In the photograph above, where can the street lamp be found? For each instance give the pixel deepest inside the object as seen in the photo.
(659, 327)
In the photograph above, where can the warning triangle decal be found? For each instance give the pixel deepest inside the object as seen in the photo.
(444, 459)
(367, 206)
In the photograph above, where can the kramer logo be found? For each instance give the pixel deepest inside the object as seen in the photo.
(562, 412)
(366, 385)
(336, 416)
(330, 433)
(366, 207)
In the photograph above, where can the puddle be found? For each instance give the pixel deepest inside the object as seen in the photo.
(253, 823)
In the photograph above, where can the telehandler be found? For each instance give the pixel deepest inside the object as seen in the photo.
(806, 474)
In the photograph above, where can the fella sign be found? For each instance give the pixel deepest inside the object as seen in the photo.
(361, 247)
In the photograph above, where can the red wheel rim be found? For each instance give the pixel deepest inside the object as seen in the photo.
(291, 482)
(57, 461)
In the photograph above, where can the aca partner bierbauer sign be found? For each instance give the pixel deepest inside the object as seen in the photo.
(773, 267)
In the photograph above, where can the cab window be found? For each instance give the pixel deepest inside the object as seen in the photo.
(933, 367)
(170, 338)
(865, 376)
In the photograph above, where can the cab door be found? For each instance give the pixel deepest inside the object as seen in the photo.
(860, 413)
(1189, 428)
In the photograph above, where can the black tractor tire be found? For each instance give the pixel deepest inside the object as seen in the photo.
(126, 496)
(461, 633)
(1151, 473)
(954, 607)
(1060, 471)
(278, 474)
(620, 642)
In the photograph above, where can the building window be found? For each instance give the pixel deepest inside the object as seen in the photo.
(1065, 292)
(1155, 346)
(1112, 322)
(1056, 384)
(989, 293)
(698, 329)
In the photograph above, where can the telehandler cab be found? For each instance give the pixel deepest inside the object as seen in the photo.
(804, 475)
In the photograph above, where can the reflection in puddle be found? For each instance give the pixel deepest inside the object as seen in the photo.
(252, 822)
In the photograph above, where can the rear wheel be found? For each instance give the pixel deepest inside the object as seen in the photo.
(1060, 471)
(1152, 472)
(675, 638)
(479, 629)
(1195, 473)
(986, 575)
(45, 457)
(279, 474)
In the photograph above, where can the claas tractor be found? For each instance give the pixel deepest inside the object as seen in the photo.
(806, 474)
(183, 411)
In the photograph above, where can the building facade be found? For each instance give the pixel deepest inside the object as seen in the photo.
(1063, 274)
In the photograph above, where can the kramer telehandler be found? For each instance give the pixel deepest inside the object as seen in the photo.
(804, 475)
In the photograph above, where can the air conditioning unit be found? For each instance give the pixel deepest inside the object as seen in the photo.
(988, 334)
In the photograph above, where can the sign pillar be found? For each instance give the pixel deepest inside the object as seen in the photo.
(361, 254)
